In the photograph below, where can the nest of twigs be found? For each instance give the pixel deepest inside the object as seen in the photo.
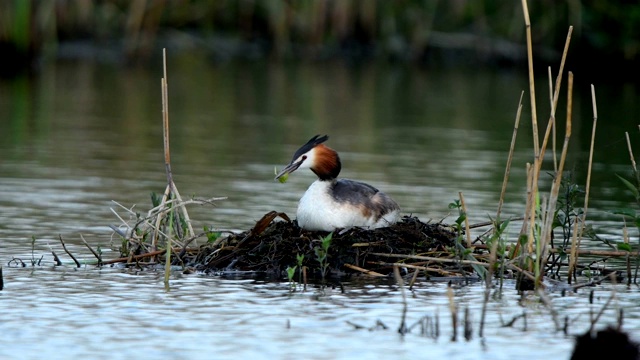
(274, 245)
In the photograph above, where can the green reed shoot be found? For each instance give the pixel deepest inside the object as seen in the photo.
(291, 271)
(299, 259)
(212, 236)
(496, 240)
(322, 252)
(460, 250)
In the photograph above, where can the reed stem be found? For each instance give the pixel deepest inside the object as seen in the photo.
(466, 220)
(534, 123)
(507, 169)
(555, 188)
(576, 244)
(167, 261)
(403, 324)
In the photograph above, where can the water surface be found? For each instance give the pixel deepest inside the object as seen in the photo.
(82, 135)
(111, 313)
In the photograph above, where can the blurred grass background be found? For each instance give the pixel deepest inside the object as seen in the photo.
(489, 32)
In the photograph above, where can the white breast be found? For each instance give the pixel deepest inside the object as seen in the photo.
(318, 210)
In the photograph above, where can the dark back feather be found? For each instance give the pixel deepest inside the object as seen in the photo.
(368, 198)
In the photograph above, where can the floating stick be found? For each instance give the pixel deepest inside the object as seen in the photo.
(68, 252)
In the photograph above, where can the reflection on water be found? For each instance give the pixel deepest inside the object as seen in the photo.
(82, 135)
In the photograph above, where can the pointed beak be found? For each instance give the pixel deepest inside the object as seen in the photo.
(288, 169)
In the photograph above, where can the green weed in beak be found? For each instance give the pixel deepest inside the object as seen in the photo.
(283, 178)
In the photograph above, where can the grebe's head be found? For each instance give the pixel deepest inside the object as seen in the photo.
(314, 155)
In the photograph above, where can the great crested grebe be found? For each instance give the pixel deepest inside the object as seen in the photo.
(331, 203)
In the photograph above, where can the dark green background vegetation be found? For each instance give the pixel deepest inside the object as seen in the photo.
(488, 32)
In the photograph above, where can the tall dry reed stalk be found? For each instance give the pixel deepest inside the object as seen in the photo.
(555, 189)
(507, 170)
(578, 232)
(539, 235)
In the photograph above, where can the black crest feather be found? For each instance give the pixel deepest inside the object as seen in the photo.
(313, 142)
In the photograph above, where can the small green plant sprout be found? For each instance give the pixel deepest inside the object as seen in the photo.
(321, 254)
(291, 271)
(455, 205)
(300, 259)
(283, 178)
(496, 242)
(496, 238)
(460, 251)
(212, 236)
(567, 210)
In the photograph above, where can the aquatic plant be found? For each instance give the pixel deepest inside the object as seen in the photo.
(212, 235)
(634, 188)
(302, 269)
(462, 251)
(322, 253)
(291, 271)
(168, 223)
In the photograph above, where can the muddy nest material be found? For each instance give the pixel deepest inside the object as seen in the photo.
(273, 245)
